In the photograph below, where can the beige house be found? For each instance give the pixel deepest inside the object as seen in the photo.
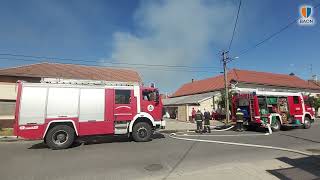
(183, 106)
(35, 72)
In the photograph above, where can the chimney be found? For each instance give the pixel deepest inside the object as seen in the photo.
(192, 80)
(292, 74)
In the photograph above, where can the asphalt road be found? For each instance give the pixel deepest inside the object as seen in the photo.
(162, 158)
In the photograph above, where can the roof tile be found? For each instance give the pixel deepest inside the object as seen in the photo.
(245, 76)
(73, 71)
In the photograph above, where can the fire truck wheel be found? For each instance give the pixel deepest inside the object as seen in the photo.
(276, 126)
(60, 137)
(141, 132)
(307, 123)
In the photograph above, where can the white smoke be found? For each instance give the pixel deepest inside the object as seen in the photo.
(175, 32)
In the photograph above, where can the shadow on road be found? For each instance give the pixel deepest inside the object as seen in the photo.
(302, 168)
(310, 140)
(91, 140)
(264, 130)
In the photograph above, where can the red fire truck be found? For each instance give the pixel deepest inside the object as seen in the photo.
(279, 109)
(59, 110)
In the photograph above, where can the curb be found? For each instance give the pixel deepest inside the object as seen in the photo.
(175, 130)
(179, 130)
(9, 138)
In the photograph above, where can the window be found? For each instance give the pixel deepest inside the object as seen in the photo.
(122, 96)
(149, 95)
(296, 99)
(7, 107)
(243, 102)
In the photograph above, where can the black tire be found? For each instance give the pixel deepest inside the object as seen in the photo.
(60, 137)
(307, 123)
(276, 126)
(141, 132)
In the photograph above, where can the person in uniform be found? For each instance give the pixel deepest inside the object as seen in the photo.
(239, 116)
(207, 118)
(199, 119)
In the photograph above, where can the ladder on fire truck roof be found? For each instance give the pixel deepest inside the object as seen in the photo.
(86, 82)
(265, 92)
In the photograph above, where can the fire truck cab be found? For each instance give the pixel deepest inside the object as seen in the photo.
(59, 110)
(279, 109)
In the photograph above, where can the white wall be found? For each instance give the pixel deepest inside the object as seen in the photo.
(182, 113)
(190, 109)
(8, 91)
(206, 104)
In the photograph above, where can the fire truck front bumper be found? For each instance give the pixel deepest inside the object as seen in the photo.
(160, 124)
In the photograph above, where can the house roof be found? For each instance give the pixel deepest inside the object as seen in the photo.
(72, 71)
(315, 82)
(192, 99)
(244, 76)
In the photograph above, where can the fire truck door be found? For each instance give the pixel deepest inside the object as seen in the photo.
(125, 105)
(296, 107)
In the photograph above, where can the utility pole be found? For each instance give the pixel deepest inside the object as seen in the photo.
(225, 59)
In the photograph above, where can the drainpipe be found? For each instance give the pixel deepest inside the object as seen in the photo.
(187, 111)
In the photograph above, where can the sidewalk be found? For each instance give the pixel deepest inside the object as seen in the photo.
(6, 134)
(173, 125)
(9, 138)
(236, 170)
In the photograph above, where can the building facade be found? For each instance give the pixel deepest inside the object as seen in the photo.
(182, 106)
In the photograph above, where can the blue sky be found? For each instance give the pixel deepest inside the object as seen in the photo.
(176, 32)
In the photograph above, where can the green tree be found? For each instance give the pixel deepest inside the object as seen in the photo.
(222, 103)
(314, 102)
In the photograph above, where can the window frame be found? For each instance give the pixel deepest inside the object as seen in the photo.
(147, 93)
(296, 100)
(127, 100)
(7, 104)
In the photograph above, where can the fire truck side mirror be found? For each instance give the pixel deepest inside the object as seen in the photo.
(157, 97)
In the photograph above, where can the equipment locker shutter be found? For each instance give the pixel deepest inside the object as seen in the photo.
(63, 102)
(32, 106)
(92, 105)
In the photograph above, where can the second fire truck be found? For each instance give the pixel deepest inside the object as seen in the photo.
(279, 109)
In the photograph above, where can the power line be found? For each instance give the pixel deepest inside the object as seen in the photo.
(271, 36)
(120, 66)
(235, 25)
(116, 63)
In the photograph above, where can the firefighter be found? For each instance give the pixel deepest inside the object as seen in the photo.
(207, 118)
(239, 116)
(199, 119)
